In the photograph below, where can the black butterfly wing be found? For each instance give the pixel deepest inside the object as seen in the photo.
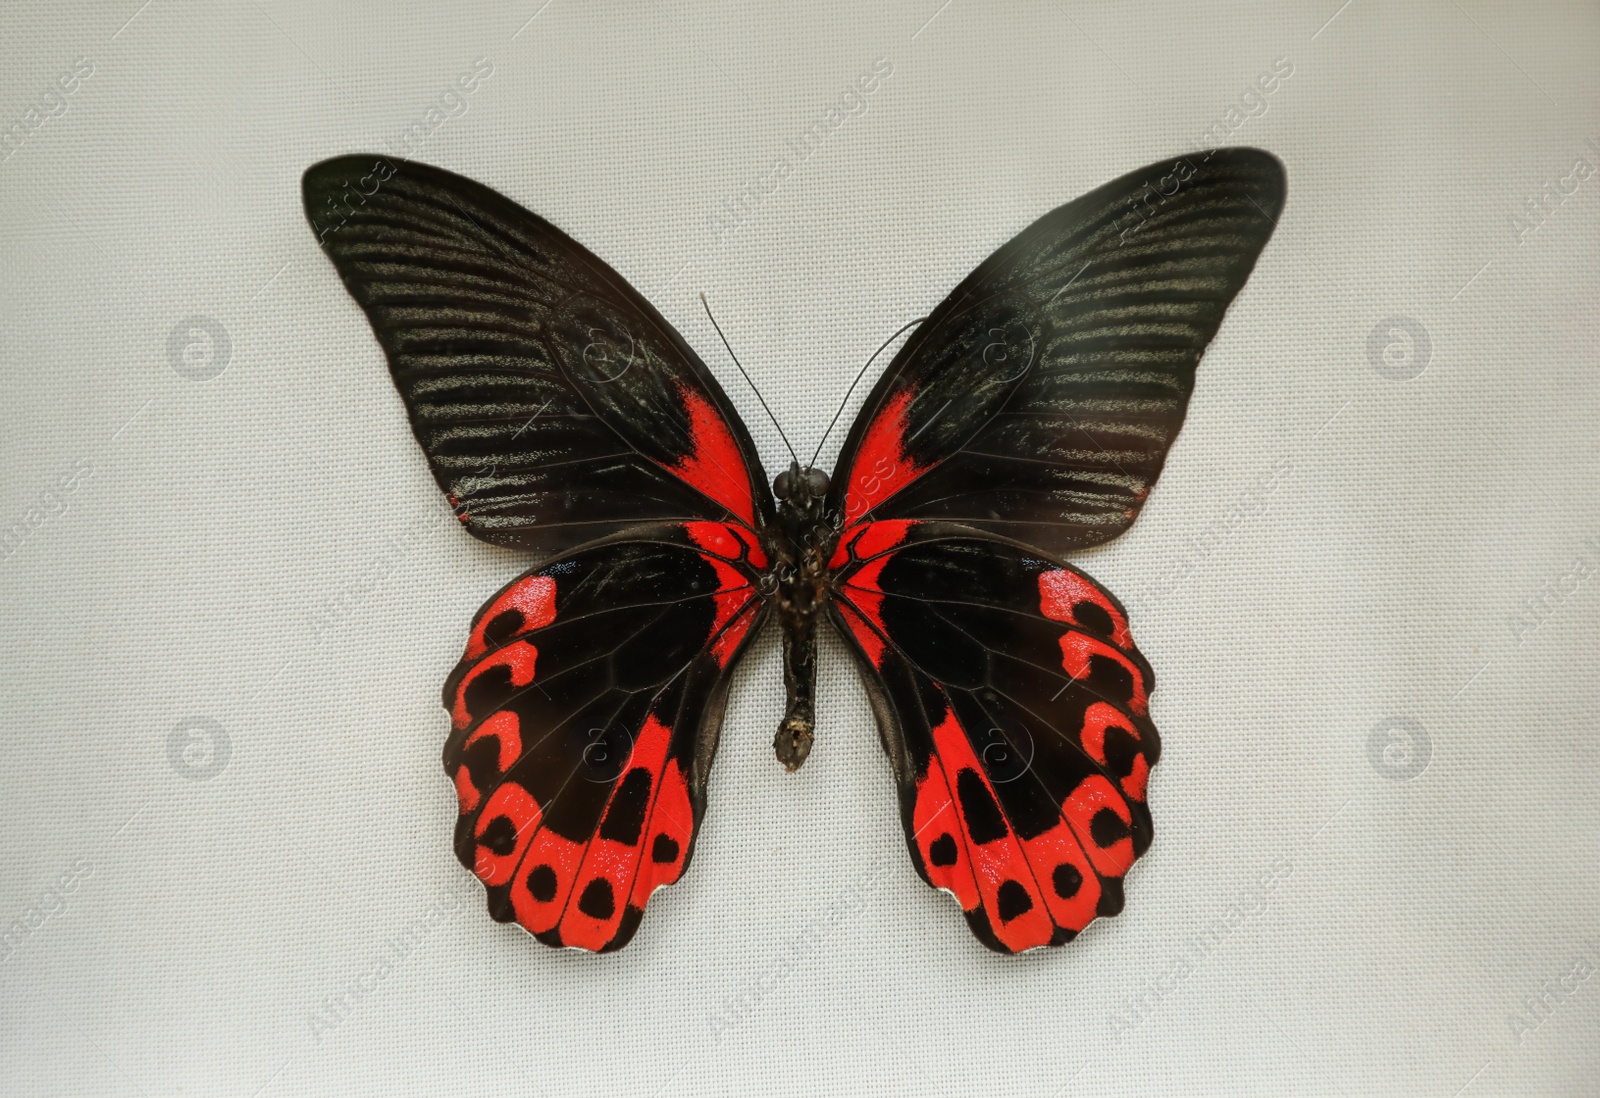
(553, 402)
(559, 411)
(1036, 405)
(584, 717)
(1040, 398)
(1015, 711)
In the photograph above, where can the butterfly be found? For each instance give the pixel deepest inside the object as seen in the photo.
(1027, 416)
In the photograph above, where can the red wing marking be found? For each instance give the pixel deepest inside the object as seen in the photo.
(868, 539)
(867, 637)
(1134, 784)
(734, 591)
(713, 464)
(1103, 824)
(934, 821)
(533, 599)
(1033, 892)
(667, 837)
(1079, 651)
(997, 872)
(506, 730)
(466, 792)
(727, 642)
(880, 537)
(581, 890)
(756, 554)
(508, 821)
(611, 862)
(544, 880)
(1061, 593)
(881, 467)
(714, 537)
(861, 592)
(519, 657)
(1065, 876)
(1096, 719)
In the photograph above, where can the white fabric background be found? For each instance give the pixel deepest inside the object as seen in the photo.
(1329, 549)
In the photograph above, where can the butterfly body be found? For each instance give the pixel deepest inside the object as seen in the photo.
(1028, 416)
(800, 586)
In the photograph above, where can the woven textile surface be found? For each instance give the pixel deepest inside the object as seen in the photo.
(1368, 581)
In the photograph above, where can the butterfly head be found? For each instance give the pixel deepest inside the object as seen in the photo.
(798, 487)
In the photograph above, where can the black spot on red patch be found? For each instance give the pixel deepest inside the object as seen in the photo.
(942, 851)
(983, 817)
(1013, 900)
(489, 691)
(625, 818)
(1107, 828)
(598, 901)
(482, 760)
(1111, 897)
(1110, 676)
(1066, 880)
(664, 851)
(1121, 749)
(542, 883)
(1062, 936)
(503, 628)
(1093, 617)
(500, 836)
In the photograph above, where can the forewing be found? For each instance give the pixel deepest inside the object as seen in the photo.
(584, 718)
(1015, 711)
(554, 403)
(1039, 400)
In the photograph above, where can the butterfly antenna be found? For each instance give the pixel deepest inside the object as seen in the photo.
(748, 382)
(856, 382)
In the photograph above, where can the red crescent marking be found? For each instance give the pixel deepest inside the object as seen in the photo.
(1096, 719)
(506, 728)
(1134, 784)
(519, 656)
(1078, 648)
(1061, 590)
(533, 597)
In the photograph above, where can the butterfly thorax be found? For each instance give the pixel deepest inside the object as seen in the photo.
(799, 590)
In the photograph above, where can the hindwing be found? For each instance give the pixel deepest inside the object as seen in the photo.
(1015, 711)
(584, 718)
